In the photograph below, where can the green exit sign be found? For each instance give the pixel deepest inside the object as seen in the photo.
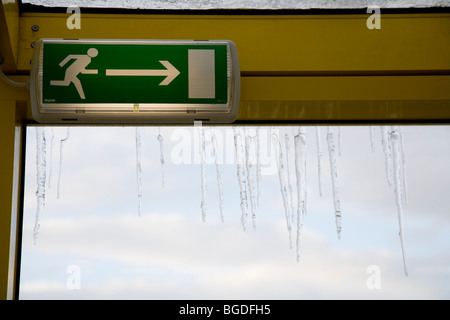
(135, 81)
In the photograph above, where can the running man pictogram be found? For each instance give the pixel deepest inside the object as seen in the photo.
(77, 67)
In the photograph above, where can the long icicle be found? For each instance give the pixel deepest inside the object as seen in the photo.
(403, 162)
(40, 177)
(161, 153)
(334, 179)
(385, 141)
(249, 170)
(372, 138)
(258, 164)
(139, 169)
(395, 140)
(241, 175)
(50, 174)
(339, 141)
(217, 156)
(319, 158)
(61, 146)
(203, 172)
(300, 173)
(282, 180)
(288, 166)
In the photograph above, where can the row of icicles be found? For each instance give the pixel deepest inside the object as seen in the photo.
(249, 176)
(392, 144)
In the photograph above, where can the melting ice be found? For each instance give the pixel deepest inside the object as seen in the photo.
(40, 176)
(398, 177)
(334, 178)
(282, 179)
(61, 146)
(247, 153)
(239, 154)
(217, 157)
(300, 173)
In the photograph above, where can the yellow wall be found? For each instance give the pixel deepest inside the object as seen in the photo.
(9, 34)
(300, 67)
(7, 134)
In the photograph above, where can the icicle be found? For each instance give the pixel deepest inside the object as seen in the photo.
(258, 164)
(402, 153)
(138, 169)
(218, 171)
(51, 160)
(387, 152)
(334, 179)
(300, 173)
(240, 175)
(282, 180)
(61, 146)
(319, 159)
(249, 178)
(339, 141)
(395, 139)
(372, 138)
(40, 176)
(161, 149)
(288, 165)
(203, 170)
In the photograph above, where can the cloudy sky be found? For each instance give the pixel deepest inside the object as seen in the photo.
(93, 244)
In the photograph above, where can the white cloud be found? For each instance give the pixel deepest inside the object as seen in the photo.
(222, 261)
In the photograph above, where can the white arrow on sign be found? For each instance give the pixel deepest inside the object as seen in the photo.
(170, 72)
